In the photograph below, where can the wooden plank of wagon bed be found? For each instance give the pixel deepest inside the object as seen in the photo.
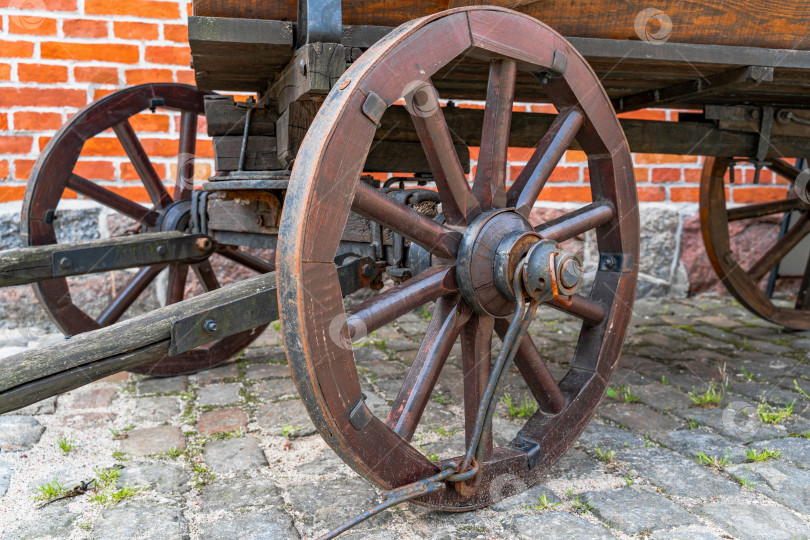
(756, 23)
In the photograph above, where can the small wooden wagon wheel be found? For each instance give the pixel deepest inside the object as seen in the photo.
(53, 174)
(464, 276)
(743, 278)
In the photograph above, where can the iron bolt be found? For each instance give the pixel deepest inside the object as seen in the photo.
(367, 270)
(160, 250)
(303, 65)
(610, 262)
(210, 325)
(203, 244)
(64, 262)
(570, 273)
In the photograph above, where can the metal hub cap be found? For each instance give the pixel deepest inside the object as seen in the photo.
(495, 246)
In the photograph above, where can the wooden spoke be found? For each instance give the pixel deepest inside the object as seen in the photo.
(146, 172)
(577, 222)
(458, 203)
(526, 189)
(187, 147)
(206, 276)
(765, 209)
(247, 260)
(449, 316)
(129, 294)
(535, 372)
(373, 204)
(781, 248)
(476, 346)
(178, 274)
(580, 307)
(490, 174)
(112, 200)
(397, 301)
(802, 299)
(783, 168)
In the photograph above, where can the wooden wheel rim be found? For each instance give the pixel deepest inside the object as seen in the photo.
(714, 226)
(322, 189)
(47, 183)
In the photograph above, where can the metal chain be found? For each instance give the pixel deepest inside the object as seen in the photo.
(470, 467)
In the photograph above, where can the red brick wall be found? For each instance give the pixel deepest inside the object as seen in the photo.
(58, 55)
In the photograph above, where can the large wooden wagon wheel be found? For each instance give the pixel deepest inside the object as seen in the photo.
(53, 174)
(325, 186)
(744, 276)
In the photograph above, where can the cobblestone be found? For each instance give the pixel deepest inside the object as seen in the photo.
(263, 484)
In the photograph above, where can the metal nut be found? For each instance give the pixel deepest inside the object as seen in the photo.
(203, 244)
(610, 261)
(210, 325)
(64, 262)
(160, 250)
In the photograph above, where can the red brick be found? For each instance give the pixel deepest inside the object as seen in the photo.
(42, 73)
(205, 148)
(3, 121)
(178, 56)
(31, 24)
(149, 9)
(94, 398)
(11, 193)
(518, 154)
(135, 30)
(143, 76)
(122, 54)
(5, 72)
(22, 168)
(135, 193)
(684, 194)
(103, 146)
(10, 144)
(60, 5)
(657, 159)
(565, 174)
(128, 171)
(666, 174)
(43, 97)
(37, 121)
(222, 421)
(96, 74)
(545, 108)
(576, 156)
(651, 194)
(757, 194)
(16, 49)
(186, 76)
(4, 173)
(176, 32)
(692, 176)
(642, 174)
(646, 114)
(566, 194)
(150, 122)
(87, 28)
(95, 170)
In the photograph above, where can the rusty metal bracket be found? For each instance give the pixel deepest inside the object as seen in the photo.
(318, 21)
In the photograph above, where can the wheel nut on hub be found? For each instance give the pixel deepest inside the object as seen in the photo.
(550, 271)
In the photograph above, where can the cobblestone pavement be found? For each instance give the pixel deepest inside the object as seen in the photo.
(231, 453)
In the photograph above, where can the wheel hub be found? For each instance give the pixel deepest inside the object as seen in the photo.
(496, 246)
(175, 217)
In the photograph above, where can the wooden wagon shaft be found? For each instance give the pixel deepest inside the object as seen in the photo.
(34, 375)
(646, 136)
(33, 264)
